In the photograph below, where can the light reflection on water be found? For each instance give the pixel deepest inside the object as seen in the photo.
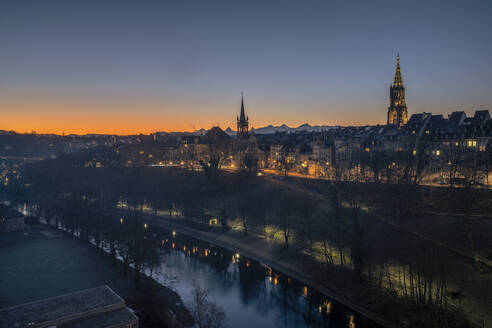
(251, 294)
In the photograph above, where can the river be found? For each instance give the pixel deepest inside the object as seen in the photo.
(250, 293)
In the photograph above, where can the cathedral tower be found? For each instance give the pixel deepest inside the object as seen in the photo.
(242, 121)
(397, 110)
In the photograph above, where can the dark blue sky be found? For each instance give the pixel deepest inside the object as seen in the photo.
(129, 66)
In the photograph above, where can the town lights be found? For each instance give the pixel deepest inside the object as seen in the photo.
(326, 306)
(351, 321)
(121, 220)
(174, 233)
(145, 226)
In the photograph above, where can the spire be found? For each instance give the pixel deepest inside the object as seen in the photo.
(242, 118)
(397, 111)
(398, 82)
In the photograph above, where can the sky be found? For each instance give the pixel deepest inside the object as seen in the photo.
(101, 66)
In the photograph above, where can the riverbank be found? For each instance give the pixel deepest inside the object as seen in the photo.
(277, 258)
(44, 262)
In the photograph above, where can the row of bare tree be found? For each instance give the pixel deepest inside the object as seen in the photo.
(329, 221)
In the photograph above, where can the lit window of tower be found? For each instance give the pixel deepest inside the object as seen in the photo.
(397, 111)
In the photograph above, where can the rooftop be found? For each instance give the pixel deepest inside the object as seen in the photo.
(95, 307)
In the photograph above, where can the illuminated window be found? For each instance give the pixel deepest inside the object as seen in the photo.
(438, 152)
(427, 131)
(414, 152)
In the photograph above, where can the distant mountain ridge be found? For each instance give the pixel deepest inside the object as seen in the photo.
(270, 129)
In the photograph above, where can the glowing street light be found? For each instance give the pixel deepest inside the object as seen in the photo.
(352, 321)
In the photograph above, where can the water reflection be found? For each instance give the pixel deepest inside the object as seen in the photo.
(252, 294)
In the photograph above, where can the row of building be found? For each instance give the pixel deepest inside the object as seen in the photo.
(317, 153)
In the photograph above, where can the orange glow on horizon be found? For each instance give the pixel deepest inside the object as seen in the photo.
(48, 118)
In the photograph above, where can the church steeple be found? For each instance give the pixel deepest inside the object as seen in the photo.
(397, 110)
(242, 120)
(398, 82)
(243, 116)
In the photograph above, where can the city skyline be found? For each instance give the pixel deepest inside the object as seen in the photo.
(123, 68)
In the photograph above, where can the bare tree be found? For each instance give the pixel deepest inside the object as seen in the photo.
(205, 312)
(464, 197)
(218, 149)
(250, 163)
(285, 161)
